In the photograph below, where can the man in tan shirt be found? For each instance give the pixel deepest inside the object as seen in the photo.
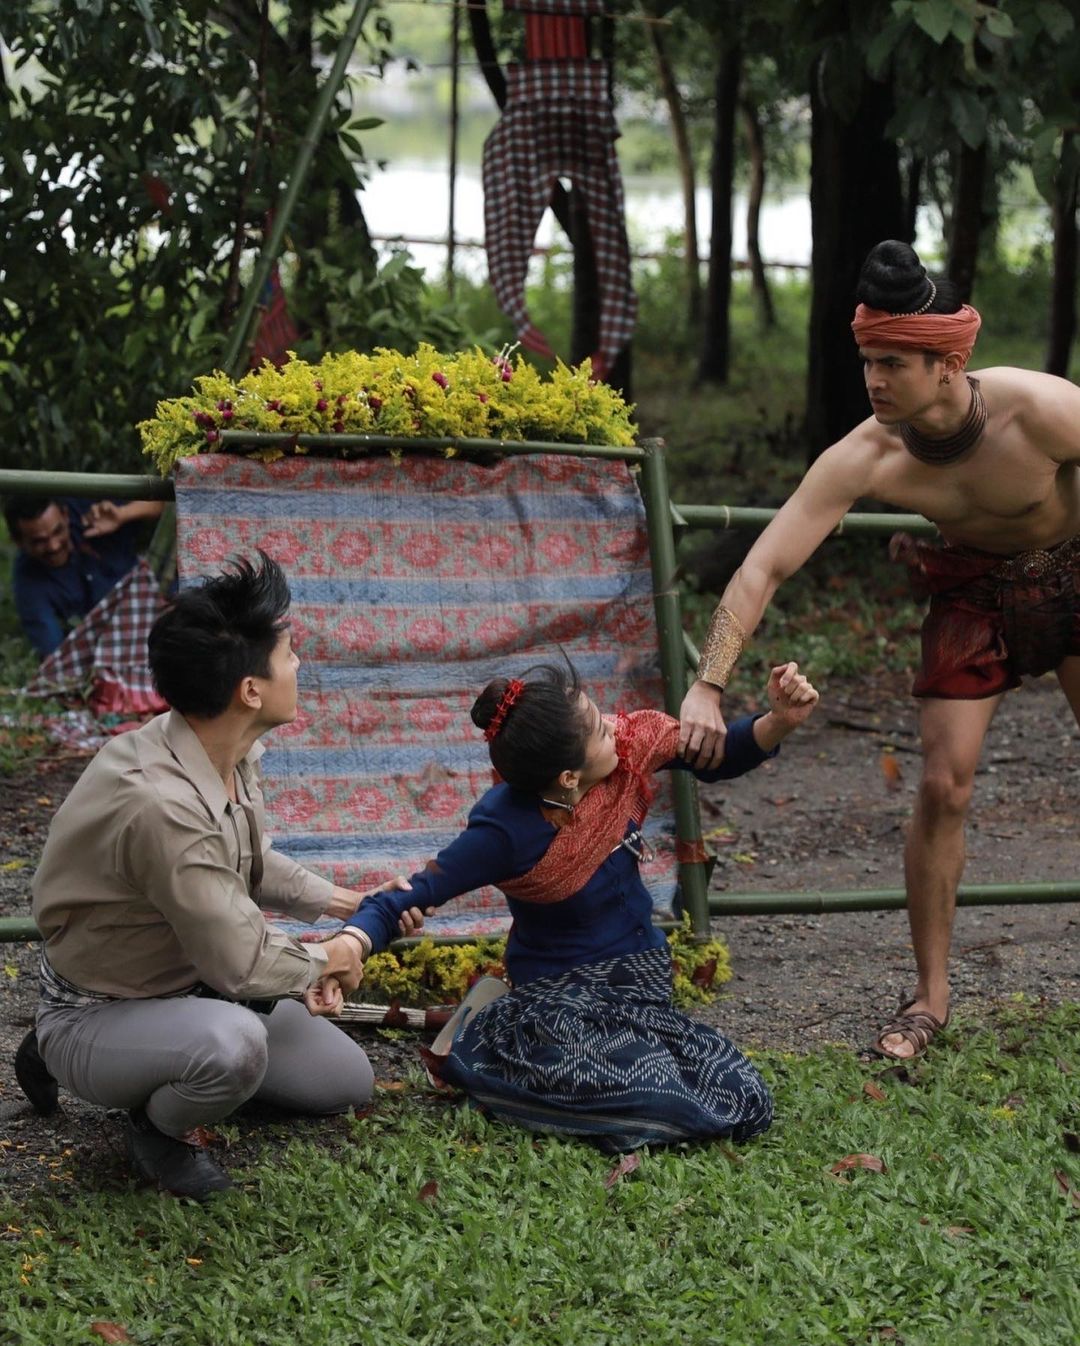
(162, 985)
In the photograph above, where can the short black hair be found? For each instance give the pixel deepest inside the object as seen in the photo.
(545, 731)
(28, 507)
(218, 633)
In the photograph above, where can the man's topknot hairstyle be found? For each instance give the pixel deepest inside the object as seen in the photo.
(218, 633)
(893, 280)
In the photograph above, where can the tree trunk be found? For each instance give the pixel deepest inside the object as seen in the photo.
(912, 191)
(855, 202)
(716, 338)
(967, 219)
(1063, 292)
(684, 156)
(759, 282)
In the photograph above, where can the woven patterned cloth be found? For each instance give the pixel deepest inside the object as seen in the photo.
(600, 1052)
(414, 584)
(557, 123)
(104, 658)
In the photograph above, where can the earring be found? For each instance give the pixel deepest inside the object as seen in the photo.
(945, 378)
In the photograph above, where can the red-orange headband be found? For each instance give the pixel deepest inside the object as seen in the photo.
(942, 332)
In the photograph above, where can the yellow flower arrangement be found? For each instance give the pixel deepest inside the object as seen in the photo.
(426, 395)
(439, 974)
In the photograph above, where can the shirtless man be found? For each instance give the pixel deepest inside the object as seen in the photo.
(993, 462)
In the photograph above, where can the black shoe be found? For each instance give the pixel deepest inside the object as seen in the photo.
(34, 1078)
(175, 1165)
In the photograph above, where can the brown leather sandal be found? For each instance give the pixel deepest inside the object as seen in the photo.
(919, 1027)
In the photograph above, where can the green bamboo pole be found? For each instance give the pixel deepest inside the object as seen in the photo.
(90, 485)
(886, 899)
(234, 357)
(693, 877)
(460, 444)
(722, 517)
(21, 929)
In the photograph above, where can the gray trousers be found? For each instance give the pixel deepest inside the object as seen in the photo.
(190, 1061)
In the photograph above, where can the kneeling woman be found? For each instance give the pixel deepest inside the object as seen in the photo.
(587, 1042)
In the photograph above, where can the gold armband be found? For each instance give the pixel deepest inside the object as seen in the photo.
(724, 642)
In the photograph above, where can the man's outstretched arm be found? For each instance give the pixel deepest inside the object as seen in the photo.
(821, 500)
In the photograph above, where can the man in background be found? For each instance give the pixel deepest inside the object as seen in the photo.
(71, 553)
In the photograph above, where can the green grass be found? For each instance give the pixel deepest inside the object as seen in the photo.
(966, 1237)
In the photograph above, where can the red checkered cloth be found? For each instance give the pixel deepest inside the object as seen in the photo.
(276, 333)
(104, 658)
(557, 123)
(565, 7)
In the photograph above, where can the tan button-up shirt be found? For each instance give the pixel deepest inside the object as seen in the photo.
(144, 886)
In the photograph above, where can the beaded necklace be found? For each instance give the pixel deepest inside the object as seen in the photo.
(939, 452)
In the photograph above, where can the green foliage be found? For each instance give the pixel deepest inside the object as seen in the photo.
(143, 145)
(427, 973)
(425, 395)
(431, 1224)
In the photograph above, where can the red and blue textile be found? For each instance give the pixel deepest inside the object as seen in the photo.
(414, 583)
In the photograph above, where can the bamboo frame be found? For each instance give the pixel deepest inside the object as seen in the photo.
(677, 650)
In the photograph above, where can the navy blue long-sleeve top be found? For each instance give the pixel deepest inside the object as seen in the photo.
(506, 836)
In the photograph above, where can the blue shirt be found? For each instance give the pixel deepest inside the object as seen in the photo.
(506, 836)
(51, 600)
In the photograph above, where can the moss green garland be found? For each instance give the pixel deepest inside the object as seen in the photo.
(469, 395)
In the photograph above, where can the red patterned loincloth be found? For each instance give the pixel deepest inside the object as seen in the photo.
(992, 618)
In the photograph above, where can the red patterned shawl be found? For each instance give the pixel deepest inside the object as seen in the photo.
(645, 740)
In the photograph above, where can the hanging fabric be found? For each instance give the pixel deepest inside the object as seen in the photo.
(557, 123)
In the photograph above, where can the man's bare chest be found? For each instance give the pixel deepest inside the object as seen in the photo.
(1021, 493)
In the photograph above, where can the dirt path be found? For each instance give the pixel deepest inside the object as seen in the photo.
(826, 815)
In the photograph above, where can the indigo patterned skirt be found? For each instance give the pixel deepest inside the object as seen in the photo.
(600, 1052)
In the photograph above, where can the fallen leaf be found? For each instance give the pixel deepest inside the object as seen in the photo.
(874, 1091)
(9, 865)
(1014, 1101)
(428, 1192)
(850, 1161)
(958, 1230)
(626, 1164)
(890, 769)
(780, 800)
(110, 1332)
(391, 1086)
(1063, 1066)
(1066, 1186)
(193, 1261)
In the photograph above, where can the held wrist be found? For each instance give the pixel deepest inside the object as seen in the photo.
(361, 936)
